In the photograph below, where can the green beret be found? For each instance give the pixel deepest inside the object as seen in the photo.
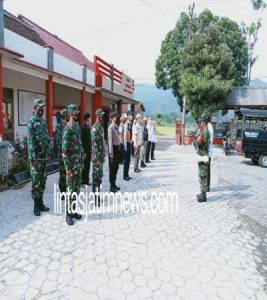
(73, 108)
(38, 102)
(99, 112)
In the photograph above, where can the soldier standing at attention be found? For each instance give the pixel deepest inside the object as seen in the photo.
(98, 153)
(72, 153)
(59, 133)
(202, 145)
(38, 151)
(114, 151)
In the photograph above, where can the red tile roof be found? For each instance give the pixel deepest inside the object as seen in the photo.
(12, 23)
(60, 47)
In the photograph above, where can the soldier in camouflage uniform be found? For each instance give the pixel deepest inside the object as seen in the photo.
(38, 152)
(202, 147)
(59, 132)
(72, 153)
(98, 153)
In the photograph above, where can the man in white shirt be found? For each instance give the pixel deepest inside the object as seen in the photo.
(137, 138)
(211, 131)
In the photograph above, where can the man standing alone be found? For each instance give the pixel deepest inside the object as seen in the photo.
(86, 143)
(202, 145)
(38, 151)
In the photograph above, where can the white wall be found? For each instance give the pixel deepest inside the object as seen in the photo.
(68, 68)
(19, 81)
(32, 52)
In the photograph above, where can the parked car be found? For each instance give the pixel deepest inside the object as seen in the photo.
(254, 146)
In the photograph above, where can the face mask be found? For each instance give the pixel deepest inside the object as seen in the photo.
(40, 111)
(75, 118)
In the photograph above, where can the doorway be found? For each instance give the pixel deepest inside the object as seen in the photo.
(8, 114)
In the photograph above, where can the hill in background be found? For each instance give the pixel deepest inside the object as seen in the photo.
(156, 100)
(159, 101)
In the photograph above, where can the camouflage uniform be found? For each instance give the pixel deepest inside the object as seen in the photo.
(38, 151)
(98, 152)
(59, 134)
(72, 153)
(203, 164)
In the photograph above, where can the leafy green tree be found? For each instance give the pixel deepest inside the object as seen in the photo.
(207, 71)
(169, 69)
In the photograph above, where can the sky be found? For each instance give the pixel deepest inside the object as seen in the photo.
(128, 33)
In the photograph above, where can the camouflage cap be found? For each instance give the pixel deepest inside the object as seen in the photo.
(73, 108)
(38, 102)
(99, 112)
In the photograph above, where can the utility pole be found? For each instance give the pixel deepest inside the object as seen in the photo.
(191, 15)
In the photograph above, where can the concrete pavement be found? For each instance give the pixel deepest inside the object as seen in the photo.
(213, 250)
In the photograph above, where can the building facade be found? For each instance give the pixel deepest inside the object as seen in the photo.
(37, 64)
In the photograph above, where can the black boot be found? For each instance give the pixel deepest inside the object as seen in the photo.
(75, 215)
(69, 220)
(36, 209)
(97, 197)
(202, 197)
(42, 206)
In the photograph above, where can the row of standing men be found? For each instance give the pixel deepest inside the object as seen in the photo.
(77, 147)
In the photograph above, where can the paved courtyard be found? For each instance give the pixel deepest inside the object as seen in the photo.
(213, 250)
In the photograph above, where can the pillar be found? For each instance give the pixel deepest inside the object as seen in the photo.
(82, 105)
(1, 99)
(49, 104)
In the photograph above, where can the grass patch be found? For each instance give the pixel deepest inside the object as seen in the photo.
(166, 130)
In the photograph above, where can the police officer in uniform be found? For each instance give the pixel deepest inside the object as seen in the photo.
(72, 153)
(38, 151)
(202, 147)
(114, 151)
(97, 153)
(59, 133)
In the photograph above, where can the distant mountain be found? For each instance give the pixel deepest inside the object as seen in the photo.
(258, 83)
(155, 100)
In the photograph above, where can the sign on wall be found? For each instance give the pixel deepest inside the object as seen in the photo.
(25, 105)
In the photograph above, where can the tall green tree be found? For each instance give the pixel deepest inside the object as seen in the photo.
(207, 71)
(169, 63)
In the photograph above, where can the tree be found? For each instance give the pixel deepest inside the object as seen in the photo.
(207, 71)
(168, 65)
(251, 33)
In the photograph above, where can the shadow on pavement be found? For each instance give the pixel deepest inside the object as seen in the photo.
(231, 187)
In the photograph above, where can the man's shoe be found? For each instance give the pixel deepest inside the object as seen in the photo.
(69, 220)
(44, 208)
(130, 177)
(84, 185)
(137, 170)
(126, 178)
(36, 211)
(63, 198)
(113, 189)
(117, 187)
(143, 165)
(202, 197)
(153, 158)
(148, 161)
